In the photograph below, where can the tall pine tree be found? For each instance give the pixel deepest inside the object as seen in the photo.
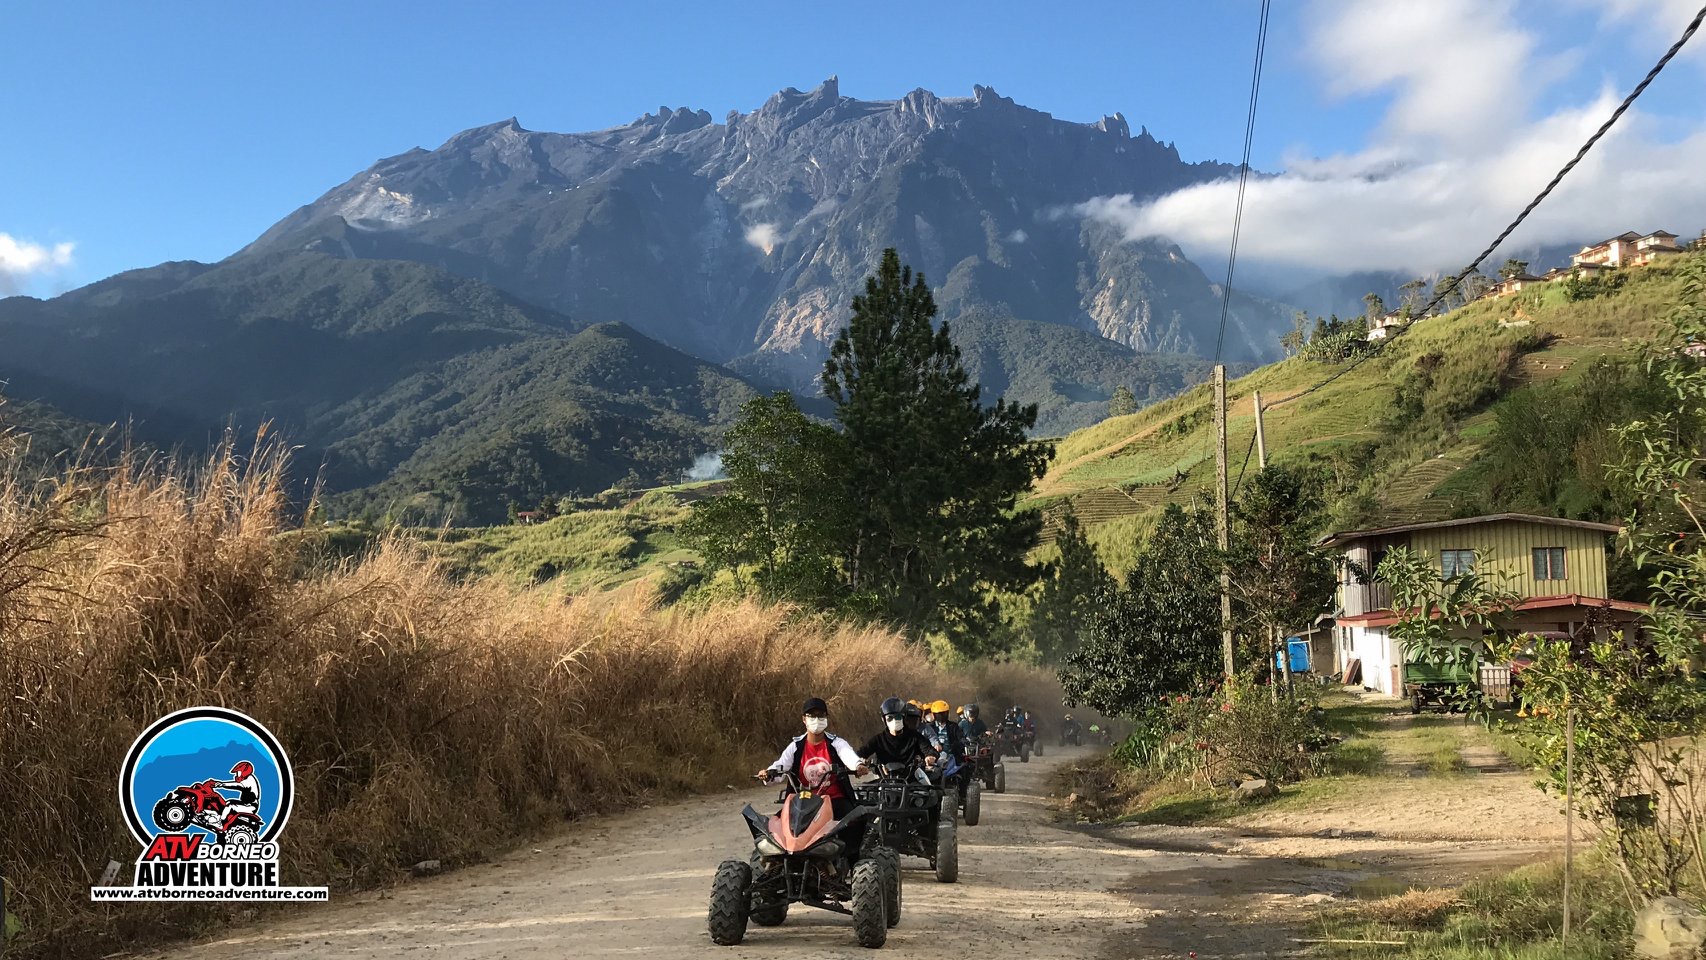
(933, 474)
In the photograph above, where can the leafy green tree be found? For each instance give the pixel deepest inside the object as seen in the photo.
(1282, 580)
(1070, 588)
(779, 522)
(1292, 341)
(1634, 697)
(932, 473)
(1123, 403)
(1411, 295)
(1373, 305)
(1158, 635)
(1512, 267)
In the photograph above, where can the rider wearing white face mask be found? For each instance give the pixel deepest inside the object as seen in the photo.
(899, 742)
(818, 759)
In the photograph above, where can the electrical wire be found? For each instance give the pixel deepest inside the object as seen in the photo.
(1457, 280)
(1243, 177)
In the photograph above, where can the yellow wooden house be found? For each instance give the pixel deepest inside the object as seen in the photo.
(1557, 567)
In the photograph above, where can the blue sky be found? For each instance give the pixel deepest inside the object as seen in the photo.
(137, 133)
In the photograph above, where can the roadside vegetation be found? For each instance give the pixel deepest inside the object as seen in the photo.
(1632, 702)
(1511, 916)
(427, 718)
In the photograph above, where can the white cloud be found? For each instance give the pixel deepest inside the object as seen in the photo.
(1456, 157)
(1657, 21)
(21, 260)
(1458, 70)
(763, 236)
(1018, 236)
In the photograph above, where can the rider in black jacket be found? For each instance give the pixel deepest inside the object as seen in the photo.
(898, 743)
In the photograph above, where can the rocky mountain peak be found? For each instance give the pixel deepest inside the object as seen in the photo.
(1115, 125)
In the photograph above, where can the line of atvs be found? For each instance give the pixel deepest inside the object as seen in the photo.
(851, 866)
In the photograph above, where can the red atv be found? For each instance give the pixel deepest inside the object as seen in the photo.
(803, 855)
(202, 805)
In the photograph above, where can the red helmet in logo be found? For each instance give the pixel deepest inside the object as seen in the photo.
(243, 769)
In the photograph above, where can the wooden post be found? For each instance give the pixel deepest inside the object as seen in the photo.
(1261, 437)
(1222, 529)
(1569, 810)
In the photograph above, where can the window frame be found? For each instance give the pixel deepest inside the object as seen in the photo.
(1559, 573)
(1457, 569)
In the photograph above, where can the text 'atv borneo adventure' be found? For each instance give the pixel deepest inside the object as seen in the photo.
(803, 854)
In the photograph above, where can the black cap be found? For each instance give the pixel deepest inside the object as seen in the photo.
(814, 704)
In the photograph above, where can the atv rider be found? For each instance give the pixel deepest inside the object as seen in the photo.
(955, 737)
(248, 794)
(900, 741)
(820, 761)
(1069, 729)
(973, 727)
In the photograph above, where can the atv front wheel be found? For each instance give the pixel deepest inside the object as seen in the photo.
(772, 915)
(947, 859)
(891, 874)
(974, 803)
(1024, 754)
(1000, 779)
(1039, 748)
(731, 896)
(870, 900)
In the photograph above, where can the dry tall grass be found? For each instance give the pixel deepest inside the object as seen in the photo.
(424, 719)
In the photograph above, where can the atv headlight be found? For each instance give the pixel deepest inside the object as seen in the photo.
(767, 848)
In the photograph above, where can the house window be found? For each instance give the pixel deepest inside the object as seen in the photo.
(1549, 563)
(1455, 563)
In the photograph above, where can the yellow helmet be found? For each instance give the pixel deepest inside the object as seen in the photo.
(940, 706)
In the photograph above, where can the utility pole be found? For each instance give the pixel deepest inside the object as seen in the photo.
(1261, 438)
(1222, 530)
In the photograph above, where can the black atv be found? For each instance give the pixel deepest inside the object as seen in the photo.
(1071, 733)
(985, 763)
(1012, 740)
(803, 855)
(970, 790)
(912, 818)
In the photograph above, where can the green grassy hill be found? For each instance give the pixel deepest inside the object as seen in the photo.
(1398, 437)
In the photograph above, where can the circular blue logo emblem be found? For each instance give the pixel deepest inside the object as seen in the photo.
(206, 770)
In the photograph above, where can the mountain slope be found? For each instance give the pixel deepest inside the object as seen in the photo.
(522, 423)
(1070, 374)
(379, 367)
(1403, 436)
(747, 239)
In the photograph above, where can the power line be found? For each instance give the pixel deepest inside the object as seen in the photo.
(1243, 176)
(1451, 287)
(1247, 451)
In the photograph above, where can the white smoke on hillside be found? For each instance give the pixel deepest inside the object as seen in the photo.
(706, 466)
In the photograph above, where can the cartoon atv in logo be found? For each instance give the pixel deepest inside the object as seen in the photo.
(202, 805)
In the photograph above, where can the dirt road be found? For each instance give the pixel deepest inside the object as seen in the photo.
(637, 884)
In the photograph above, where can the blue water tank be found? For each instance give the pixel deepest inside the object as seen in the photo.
(1298, 648)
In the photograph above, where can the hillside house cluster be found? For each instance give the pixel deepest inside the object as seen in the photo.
(1629, 249)
(1556, 567)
